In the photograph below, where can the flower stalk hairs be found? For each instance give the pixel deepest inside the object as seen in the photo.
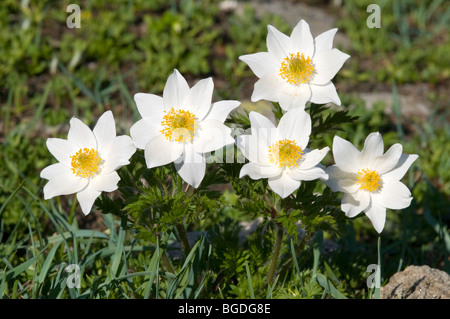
(87, 161)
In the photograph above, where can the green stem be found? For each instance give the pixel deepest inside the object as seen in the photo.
(184, 239)
(72, 210)
(378, 274)
(166, 262)
(179, 184)
(299, 248)
(276, 253)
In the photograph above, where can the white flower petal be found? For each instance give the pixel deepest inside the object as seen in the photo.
(341, 181)
(221, 109)
(324, 41)
(175, 91)
(86, 198)
(106, 182)
(345, 154)
(388, 160)
(377, 215)
(64, 184)
(373, 147)
(403, 164)
(62, 150)
(149, 105)
(118, 154)
(301, 39)
(353, 204)
(159, 151)
(212, 135)
(255, 171)
(311, 158)
(54, 170)
(259, 63)
(255, 149)
(105, 131)
(278, 44)
(321, 94)
(295, 125)
(144, 130)
(263, 129)
(393, 194)
(258, 121)
(198, 100)
(309, 174)
(81, 135)
(266, 88)
(327, 64)
(283, 185)
(192, 167)
(291, 96)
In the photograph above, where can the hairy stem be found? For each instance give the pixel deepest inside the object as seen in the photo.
(275, 254)
(184, 239)
(166, 262)
(299, 248)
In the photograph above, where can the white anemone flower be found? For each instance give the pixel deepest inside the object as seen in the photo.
(280, 153)
(181, 126)
(87, 161)
(297, 68)
(370, 180)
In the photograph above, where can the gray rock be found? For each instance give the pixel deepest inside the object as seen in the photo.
(412, 105)
(417, 282)
(292, 12)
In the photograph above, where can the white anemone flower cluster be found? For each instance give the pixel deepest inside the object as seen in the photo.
(297, 69)
(183, 125)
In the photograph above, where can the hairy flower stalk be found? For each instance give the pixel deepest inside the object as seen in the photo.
(275, 253)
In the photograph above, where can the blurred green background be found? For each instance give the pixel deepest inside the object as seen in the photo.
(397, 80)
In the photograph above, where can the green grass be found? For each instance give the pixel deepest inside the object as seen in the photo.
(49, 73)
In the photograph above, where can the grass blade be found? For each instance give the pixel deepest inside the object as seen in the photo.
(13, 273)
(249, 279)
(46, 266)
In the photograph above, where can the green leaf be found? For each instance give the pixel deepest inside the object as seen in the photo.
(16, 271)
(249, 279)
(47, 264)
(329, 287)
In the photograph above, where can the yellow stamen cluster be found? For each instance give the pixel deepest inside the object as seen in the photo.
(86, 162)
(285, 153)
(368, 180)
(296, 69)
(179, 125)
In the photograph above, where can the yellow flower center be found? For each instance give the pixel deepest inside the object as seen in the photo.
(179, 125)
(368, 180)
(85, 162)
(285, 153)
(296, 69)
